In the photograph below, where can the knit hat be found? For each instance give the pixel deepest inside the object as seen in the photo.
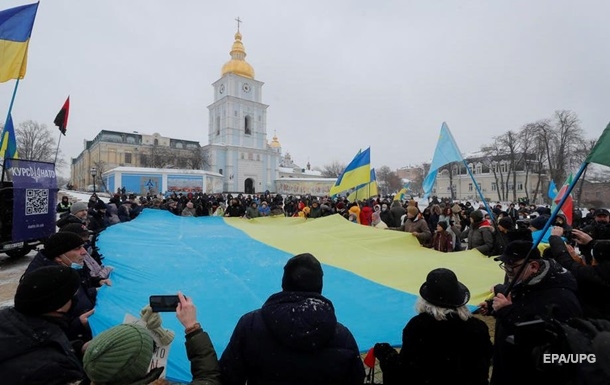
(506, 222)
(78, 206)
(444, 290)
(99, 205)
(303, 272)
(59, 243)
(443, 224)
(477, 215)
(76, 228)
(412, 210)
(539, 222)
(46, 289)
(517, 250)
(119, 355)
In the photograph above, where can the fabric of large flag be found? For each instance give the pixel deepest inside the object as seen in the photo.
(446, 152)
(600, 153)
(356, 173)
(568, 206)
(15, 31)
(230, 266)
(8, 142)
(365, 191)
(61, 120)
(552, 193)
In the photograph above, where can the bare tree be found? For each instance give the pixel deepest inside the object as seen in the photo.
(562, 141)
(101, 168)
(333, 170)
(35, 142)
(388, 179)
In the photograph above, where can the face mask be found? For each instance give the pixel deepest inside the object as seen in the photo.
(76, 266)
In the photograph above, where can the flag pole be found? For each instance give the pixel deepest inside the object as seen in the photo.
(491, 215)
(57, 150)
(548, 223)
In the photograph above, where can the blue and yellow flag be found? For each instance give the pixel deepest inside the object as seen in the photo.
(446, 152)
(8, 142)
(356, 173)
(366, 190)
(15, 31)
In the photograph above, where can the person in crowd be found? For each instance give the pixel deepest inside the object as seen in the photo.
(562, 222)
(366, 214)
(512, 212)
(122, 354)
(315, 210)
(598, 228)
(92, 266)
(446, 215)
(480, 233)
(397, 212)
(66, 249)
(78, 214)
(536, 225)
(35, 349)
(417, 226)
(64, 205)
(252, 211)
(542, 289)
(294, 337)
(593, 280)
(443, 239)
(443, 343)
(235, 209)
(386, 215)
(112, 217)
(502, 236)
(434, 216)
(97, 217)
(189, 210)
(264, 210)
(355, 210)
(377, 222)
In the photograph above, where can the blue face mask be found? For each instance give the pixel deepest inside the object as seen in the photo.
(76, 266)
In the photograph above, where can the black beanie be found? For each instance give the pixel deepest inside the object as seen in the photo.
(303, 272)
(46, 289)
(476, 215)
(59, 243)
(443, 224)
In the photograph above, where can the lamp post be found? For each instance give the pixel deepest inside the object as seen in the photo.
(93, 174)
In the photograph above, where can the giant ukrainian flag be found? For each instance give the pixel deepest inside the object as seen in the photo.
(356, 173)
(15, 31)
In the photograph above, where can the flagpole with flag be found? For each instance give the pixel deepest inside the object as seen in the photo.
(61, 121)
(356, 173)
(600, 154)
(15, 31)
(446, 152)
(369, 189)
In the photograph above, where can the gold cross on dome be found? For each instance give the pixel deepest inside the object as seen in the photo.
(239, 21)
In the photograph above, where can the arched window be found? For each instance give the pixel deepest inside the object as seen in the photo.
(247, 125)
(156, 142)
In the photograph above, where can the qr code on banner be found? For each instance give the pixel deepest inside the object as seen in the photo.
(36, 201)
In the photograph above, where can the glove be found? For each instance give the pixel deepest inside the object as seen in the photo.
(153, 323)
(383, 351)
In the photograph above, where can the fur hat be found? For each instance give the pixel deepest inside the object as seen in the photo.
(456, 208)
(59, 243)
(78, 206)
(517, 250)
(443, 224)
(303, 272)
(120, 355)
(506, 222)
(477, 215)
(444, 290)
(412, 210)
(46, 289)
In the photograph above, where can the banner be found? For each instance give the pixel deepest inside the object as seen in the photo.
(34, 196)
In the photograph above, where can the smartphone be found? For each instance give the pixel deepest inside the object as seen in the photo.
(163, 303)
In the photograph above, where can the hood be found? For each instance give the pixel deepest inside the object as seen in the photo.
(300, 320)
(552, 275)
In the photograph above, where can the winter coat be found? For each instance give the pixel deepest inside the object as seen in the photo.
(35, 351)
(481, 237)
(315, 212)
(445, 352)
(593, 280)
(201, 354)
(112, 214)
(397, 212)
(386, 216)
(252, 212)
(553, 289)
(442, 241)
(61, 208)
(186, 212)
(418, 226)
(366, 216)
(293, 339)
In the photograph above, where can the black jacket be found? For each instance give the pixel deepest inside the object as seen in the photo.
(593, 281)
(293, 339)
(34, 351)
(551, 291)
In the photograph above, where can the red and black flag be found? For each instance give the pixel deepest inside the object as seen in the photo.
(61, 120)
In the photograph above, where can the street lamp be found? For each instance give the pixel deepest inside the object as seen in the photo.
(93, 174)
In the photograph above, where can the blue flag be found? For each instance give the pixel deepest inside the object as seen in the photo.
(446, 152)
(552, 190)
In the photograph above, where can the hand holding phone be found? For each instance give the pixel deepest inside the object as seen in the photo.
(163, 303)
(186, 313)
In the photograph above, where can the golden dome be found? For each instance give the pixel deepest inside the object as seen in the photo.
(275, 143)
(238, 65)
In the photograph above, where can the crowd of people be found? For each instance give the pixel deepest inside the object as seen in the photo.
(295, 337)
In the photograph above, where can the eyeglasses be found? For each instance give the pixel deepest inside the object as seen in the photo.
(510, 268)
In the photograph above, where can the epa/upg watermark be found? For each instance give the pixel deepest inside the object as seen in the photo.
(552, 358)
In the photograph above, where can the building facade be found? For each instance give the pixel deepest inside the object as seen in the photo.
(237, 129)
(110, 149)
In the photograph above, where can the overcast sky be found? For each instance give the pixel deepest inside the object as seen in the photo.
(339, 75)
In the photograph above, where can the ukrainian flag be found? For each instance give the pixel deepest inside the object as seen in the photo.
(15, 31)
(356, 173)
(366, 190)
(8, 142)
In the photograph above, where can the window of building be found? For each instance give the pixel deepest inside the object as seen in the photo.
(128, 158)
(519, 186)
(130, 140)
(156, 142)
(479, 168)
(179, 145)
(503, 167)
(243, 155)
(470, 187)
(471, 167)
(217, 125)
(247, 125)
(494, 187)
(220, 171)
